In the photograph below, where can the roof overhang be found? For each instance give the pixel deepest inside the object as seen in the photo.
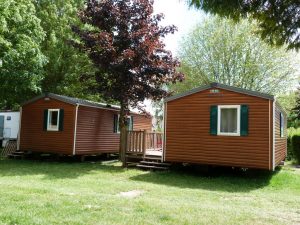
(80, 102)
(221, 86)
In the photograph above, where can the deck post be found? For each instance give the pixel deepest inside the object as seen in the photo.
(144, 142)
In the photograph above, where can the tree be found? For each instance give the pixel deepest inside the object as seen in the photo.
(158, 114)
(220, 50)
(20, 52)
(123, 40)
(279, 20)
(68, 71)
(296, 111)
(288, 103)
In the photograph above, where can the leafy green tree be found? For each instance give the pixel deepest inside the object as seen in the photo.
(158, 114)
(288, 102)
(220, 50)
(22, 59)
(279, 20)
(68, 71)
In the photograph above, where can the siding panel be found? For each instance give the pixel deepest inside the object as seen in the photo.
(35, 139)
(280, 142)
(188, 136)
(95, 130)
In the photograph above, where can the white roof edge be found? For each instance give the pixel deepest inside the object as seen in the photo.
(222, 86)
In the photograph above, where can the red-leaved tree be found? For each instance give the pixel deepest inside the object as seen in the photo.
(123, 40)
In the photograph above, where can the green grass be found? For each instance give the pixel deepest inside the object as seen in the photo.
(34, 192)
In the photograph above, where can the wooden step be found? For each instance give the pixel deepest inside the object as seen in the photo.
(134, 156)
(152, 167)
(152, 158)
(131, 164)
(15, 156)
(18, 153)
(155, 163)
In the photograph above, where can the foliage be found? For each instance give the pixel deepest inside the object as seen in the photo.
(36, 53)
(125, 47)
(20, 37)
(296, 109)
(68, 71)
(220, 50)
(279, 21)
(295, 144)
(158, 114)
(288, 102)
(290, 133)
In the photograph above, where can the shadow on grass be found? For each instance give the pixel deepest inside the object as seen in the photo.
(215, 179)
(56, 170)
(219, 178)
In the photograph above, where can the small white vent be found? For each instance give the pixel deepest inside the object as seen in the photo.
(214, 91)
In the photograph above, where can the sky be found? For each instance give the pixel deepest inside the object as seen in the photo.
(177, 13)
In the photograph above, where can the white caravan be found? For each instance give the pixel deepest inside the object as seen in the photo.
(9, 126)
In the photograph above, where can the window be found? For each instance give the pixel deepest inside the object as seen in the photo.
(53, 120)
(281, 125)
(129, 123)
(229, 120)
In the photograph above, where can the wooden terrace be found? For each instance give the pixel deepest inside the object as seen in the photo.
(145, 148)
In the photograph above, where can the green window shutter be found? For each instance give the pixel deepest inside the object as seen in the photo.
(115, 123)
(244, 120)
(214, 120)
(61, 120)
(45, 119)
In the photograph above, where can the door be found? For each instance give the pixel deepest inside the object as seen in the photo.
(1, 126)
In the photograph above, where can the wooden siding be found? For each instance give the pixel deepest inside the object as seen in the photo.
(95, 130)
(141, 122)
(35, 139)
(188, 136)
(280, 142)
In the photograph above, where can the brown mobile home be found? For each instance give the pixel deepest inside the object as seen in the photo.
(222, 125)
(63, 125)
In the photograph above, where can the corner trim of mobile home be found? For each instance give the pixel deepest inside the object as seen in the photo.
(75, 130)
(165, 131)
(19, 134)
(273, 147)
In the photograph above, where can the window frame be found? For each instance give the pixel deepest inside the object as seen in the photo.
(48, 120)
(238, 108)
(118, 131)
(281, 125)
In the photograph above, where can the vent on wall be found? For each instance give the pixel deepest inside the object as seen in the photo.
(214, 91)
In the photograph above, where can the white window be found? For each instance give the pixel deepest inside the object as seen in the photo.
(116, 123)
(53, 120)
(229, 120)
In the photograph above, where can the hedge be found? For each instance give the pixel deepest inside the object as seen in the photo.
(295, 146)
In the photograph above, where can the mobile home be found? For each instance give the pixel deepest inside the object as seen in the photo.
(223, 125)
(59, 124)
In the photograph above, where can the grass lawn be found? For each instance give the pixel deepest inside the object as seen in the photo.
(34, 192)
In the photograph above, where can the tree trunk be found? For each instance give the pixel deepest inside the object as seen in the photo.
(123, 134)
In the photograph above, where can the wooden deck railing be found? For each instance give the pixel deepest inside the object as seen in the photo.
(138, 142)
(154, 141)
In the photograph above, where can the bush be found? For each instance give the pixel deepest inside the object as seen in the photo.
(291, 152)
(296, 147)
(290, 132)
